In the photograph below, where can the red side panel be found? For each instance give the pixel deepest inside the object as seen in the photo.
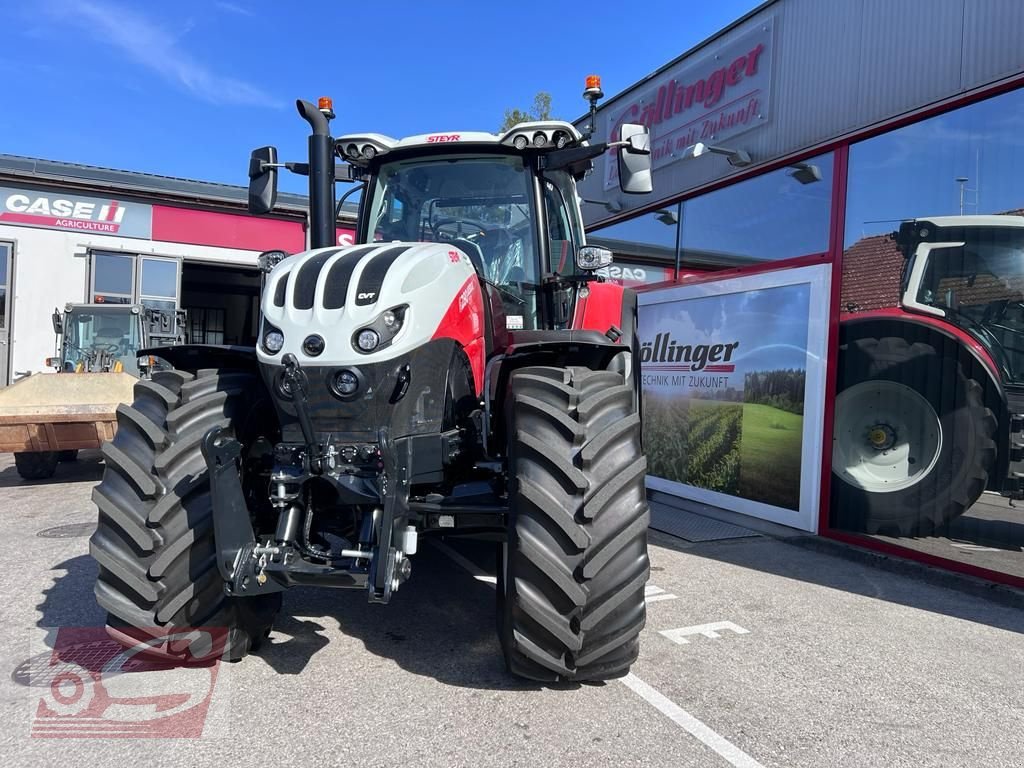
(895, 313)
(227, 230)
(464, 322)
(600, 309)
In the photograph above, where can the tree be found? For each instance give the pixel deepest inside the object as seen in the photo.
(541, 111)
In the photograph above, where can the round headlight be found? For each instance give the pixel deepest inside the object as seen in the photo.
(369, 151)
(390, 319)
(346, 383)
(273, 341)
(367, 340)
(539, 139)
(352, 151)
(520, 142)
(313, 345)
(561, 139)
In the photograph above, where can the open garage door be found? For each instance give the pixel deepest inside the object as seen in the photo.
(222, 303)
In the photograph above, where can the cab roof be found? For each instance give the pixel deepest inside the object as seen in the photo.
(360, 148)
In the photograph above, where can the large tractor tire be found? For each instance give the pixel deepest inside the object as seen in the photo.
(154, 544)
(36, 465)
(913, 441)
(571, 581)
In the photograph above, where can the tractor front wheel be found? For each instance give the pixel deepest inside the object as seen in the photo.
(571, 579)
(158, 578)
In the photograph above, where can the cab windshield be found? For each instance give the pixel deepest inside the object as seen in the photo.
(980, 286)
(483, 206)
(98, 338)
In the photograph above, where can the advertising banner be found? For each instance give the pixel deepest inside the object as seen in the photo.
(55, 209)
(708, 100)
(733, 375)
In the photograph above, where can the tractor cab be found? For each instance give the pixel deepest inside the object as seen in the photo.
(969, 270)
(508, 201)
(498, 199)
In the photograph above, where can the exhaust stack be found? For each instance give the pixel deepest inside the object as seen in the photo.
(322, 225)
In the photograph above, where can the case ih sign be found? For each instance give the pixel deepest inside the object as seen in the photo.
(710, 100)
(56, 209)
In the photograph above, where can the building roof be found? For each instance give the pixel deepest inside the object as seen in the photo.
(34, 169)
(872, 269)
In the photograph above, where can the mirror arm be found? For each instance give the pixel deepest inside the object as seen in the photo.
(564, 158)
(302, 169)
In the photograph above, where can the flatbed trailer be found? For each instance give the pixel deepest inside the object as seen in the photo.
(47, 416)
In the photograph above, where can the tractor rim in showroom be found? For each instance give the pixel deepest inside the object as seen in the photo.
(887, 437)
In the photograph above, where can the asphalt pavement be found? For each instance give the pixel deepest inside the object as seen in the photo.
(758, 651)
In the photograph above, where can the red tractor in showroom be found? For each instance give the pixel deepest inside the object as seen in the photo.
(930, 408)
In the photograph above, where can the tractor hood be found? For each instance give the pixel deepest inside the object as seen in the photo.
(402, 295)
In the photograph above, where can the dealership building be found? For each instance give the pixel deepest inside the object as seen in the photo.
(786, 150)
(79, 234)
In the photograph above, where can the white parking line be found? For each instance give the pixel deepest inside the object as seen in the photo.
(729, 751)
(653, 594)
(733, 754)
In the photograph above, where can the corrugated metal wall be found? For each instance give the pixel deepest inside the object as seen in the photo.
(840, 66)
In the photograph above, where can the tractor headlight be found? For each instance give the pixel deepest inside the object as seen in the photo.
(367, 340)
(345, 383)
(273, 340)
(391, 321)
(520, 142)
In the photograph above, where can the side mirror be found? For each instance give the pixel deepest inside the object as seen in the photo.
(58, 322)
(635, 160)
(262, 180)
(592, 257)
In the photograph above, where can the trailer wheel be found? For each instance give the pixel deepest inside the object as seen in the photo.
(36, 465)
(913, 441)
(571, 586)
(158, 578)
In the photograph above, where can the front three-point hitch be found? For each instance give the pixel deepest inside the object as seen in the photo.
(252, 565)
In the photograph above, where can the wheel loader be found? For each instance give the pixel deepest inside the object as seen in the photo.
(461, 370)
(46, 418)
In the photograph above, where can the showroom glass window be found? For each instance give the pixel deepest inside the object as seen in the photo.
(778, 215)
(918, 423)
(644, 246)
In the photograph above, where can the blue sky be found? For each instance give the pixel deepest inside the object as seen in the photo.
(913, 171)
(188, 88)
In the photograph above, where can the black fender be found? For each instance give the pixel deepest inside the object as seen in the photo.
(195, 357)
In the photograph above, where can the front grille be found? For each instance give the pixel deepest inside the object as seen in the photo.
(305, 280)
